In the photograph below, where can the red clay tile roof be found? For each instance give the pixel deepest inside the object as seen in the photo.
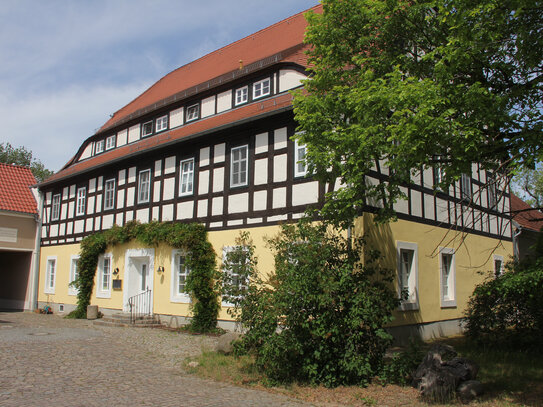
(525, 215)
(264, 43)
(253, 110)
(15, 193)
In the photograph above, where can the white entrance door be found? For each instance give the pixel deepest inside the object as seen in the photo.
(139, 279)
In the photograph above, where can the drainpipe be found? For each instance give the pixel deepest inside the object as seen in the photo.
(35, 273)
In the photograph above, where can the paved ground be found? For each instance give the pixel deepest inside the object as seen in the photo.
(48, 361)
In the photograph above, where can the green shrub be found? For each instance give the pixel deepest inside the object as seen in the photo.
(509, 309)
(400, 367)
(320, 319)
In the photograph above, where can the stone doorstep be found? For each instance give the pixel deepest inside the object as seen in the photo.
(123, 320)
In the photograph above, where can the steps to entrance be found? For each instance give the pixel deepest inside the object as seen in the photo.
(123, 320)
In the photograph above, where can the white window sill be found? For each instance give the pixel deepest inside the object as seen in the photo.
(103, 294)
(181, 299)
(448, 303)
(49, 291)
(408, 306)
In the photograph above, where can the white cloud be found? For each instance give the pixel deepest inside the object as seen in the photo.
(54, 125)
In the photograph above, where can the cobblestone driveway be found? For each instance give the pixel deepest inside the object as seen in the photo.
(48, 361)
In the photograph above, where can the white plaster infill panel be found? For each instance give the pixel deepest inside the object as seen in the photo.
(133, 261)
(208, 106)
(176, 118)
(217, 206)
(134, 133)
(122, 137)
(289, 79)
(204, 156)
(169, 165)
(260, 200)
(167, 213)
(122, 177)
(279, 198)
(224, 101)
(142, 215)
(280, 138)
(306, 193)
(202, 208)
(218, 179)
(120, 199)
(185, 210)
(261, 143)
(218, 153)
(203, 182)
(280, 168)
(87, 152)
(169, 189)
(261, 171)
(158, 168)
(238, 203)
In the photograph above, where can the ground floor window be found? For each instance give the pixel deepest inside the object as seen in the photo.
(180, 273)
(50, 277)
(104, 276)
(447, 277)
(407, 258)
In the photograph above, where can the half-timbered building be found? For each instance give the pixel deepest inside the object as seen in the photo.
(211, 142)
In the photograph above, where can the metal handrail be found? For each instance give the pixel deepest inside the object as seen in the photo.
(140, 305)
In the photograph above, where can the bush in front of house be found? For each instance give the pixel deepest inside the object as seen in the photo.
(508, 309)
(319, 319)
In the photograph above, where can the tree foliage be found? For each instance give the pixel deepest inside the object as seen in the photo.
(22, 156)
(416, 84)
(320, 318)
(529, 183)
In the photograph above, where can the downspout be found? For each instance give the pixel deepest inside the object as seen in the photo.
(35, 274)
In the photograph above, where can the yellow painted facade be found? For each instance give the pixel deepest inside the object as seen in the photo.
(473, 254)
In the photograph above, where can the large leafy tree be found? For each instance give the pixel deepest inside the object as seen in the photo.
(414, 84)
(22, 156)
(529, 183)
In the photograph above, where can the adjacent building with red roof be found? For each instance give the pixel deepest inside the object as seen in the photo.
(213, 142)
(18, 229)
(528, 224)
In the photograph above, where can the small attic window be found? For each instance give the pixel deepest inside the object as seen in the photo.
(99, 148)
(242, 95)
(147, 129)
(193, 112)
(162, 123)
(261, 88)
(110, 142)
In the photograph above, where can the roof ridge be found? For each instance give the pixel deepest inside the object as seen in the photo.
(16, 165)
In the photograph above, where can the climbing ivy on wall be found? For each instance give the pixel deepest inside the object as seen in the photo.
(201, 282)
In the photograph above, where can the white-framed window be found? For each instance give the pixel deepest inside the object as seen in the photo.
(261, 88)
(110, 142)
(73, 275)
(498, 265)
(465, 186)
(407, 254)
(109, 194)
(193, 112)
(186, 179)
(242, 95)
(300, 165)
(55, 209)
(147, 128)
(180, 273)
(104, 276)
(239, 166)
(438, 176)
(50, 275)
(99, 147)
(235, 279)
(144, 186)
(81, 201)
(447, 277)
(162, 123)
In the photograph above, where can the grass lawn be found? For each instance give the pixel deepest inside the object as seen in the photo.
(510, 378)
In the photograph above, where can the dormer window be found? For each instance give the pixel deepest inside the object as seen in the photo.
(99, 147)
(242, 95)
(147, 129)
(261, 88)
(162, 123)
(193, 112)
(110, 142)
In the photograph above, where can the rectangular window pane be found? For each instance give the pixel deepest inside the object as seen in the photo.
(242, 95)
(187, 177)
(81, 201)
(51, 265)
(147, 129)
(110, 142)
(162, 123)
(239, 163)
(261, 88)
(193, 112)
(55, 210)
(144, 188)
(109, 194)
(106, 273)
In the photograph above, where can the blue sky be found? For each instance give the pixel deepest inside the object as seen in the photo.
(67, 65)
